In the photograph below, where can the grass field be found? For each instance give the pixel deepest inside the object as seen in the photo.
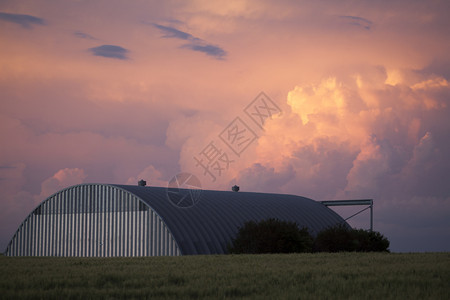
(290, 276)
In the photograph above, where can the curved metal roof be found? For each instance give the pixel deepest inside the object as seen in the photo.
(214, 220)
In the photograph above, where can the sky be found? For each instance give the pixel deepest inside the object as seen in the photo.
(330, 100)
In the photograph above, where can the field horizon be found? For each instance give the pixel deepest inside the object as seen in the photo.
(345, 275)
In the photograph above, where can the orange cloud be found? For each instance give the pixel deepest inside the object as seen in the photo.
(339, 120)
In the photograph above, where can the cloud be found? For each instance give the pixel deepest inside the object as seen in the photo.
(170, 32)
(11, 177)
(151, 175)
(371, 166)
(386, 136)
(349, 129)
(110, 51)
(195, 44)
(263, 178)
(357, 22)
(63, 178)
(440, 68)
(26, 21)
(17, 203)
(354, 136)
(210, 50)
(83, 35)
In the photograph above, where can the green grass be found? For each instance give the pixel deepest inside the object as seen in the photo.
(292, 276)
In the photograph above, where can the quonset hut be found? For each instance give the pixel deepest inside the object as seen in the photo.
(123, 220)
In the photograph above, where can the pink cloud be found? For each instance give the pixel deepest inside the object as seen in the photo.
(62, 179)
(151, 175)
(344, 141)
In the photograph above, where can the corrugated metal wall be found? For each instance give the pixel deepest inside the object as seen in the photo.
(93, 220)
(211, 224)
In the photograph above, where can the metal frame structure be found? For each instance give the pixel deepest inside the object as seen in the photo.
(368, 202)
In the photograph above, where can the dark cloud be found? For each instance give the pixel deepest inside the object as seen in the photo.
(357, 21)
(83, 35)
(26, 21)
(7, 167)
(195, 43)
(170, 32)
(208, 49)
(110, 51)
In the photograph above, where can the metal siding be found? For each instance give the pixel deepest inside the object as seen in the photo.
(39, 242)
(215, 219)
(43, 229)
(85, 223)
(63, 224)
(92, 220)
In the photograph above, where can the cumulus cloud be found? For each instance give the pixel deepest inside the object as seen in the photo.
(26, 21)
(263, 178)
(371, 167)
(381, 132)
(63, 178)
(345, 139)
(195, 43)
(363, 87)
(110, 51)
(151, 175)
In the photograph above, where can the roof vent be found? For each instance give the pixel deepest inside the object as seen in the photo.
(142, 182)
(235, 188)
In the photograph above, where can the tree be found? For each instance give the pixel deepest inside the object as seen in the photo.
(342, 238)
(271, 236)
(369, 241)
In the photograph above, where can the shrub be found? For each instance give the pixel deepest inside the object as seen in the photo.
(341, 238)
(371, 241)
(271, 236)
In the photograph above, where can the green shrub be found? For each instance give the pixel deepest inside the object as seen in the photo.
(341, 238)
(271, 236)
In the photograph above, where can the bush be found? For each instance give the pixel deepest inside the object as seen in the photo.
(370, 241)
(271, 236)
(341, 238)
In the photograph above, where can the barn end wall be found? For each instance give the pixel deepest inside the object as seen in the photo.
(93, 220)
